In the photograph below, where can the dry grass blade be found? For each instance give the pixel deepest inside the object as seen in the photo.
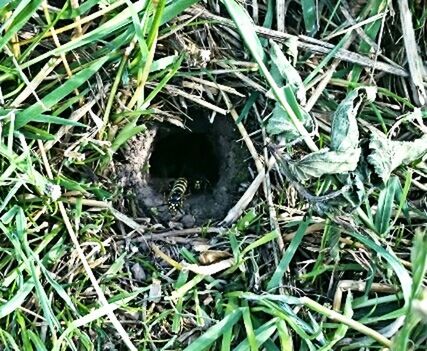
(415, 63)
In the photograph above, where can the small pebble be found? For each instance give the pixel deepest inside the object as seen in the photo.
(188, 221)
(138, 272)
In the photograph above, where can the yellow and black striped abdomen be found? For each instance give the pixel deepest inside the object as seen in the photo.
(177, 193)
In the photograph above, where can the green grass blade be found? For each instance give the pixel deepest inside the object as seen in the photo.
(289, 253)
(246, 27)
(262, 334)
(251, 342)
(20, 17)
(17, 300)
(309, 12)
(33, 112)
(385, 205)
(214, 333)
(393, 261)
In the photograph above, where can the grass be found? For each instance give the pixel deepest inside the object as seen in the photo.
(330, 253)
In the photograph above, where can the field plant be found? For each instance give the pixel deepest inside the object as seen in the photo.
(326, 245)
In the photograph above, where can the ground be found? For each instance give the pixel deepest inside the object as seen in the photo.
(298, 128)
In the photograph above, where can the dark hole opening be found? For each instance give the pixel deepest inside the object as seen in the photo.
(178, 153)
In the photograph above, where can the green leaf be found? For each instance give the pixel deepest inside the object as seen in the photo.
(17, 300)
(309, 11)
(56, 120)
(344, 132)
(251, 342)
(280, 122)
(386, 155)
(289, 253)
(262, 334)
(163, 62)
(385, 205)
(246, 28)
(416, 311)
(419, 261)
(33, 112)
(20, 17)
(286, 343)
(342, 328)
(127, 132)
(322, 162)
(213, 333)
(261, 241)
(288, 72)
(392, 260)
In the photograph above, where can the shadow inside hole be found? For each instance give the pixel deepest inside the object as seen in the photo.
(177, 153)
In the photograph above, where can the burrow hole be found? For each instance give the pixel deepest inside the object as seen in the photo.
(192, 154)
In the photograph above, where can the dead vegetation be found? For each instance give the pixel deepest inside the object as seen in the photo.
(310, 237)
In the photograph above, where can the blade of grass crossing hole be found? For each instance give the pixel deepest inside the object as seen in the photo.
(309, 11)
(247, 31)
(289, 253)
(51, 99)
(215, 332)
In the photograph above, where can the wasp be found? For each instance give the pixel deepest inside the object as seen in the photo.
(176, 195)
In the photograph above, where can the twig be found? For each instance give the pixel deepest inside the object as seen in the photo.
(181, 232)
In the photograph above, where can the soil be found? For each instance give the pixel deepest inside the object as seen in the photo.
(206, 151)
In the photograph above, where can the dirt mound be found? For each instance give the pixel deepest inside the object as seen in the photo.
(203, 151)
